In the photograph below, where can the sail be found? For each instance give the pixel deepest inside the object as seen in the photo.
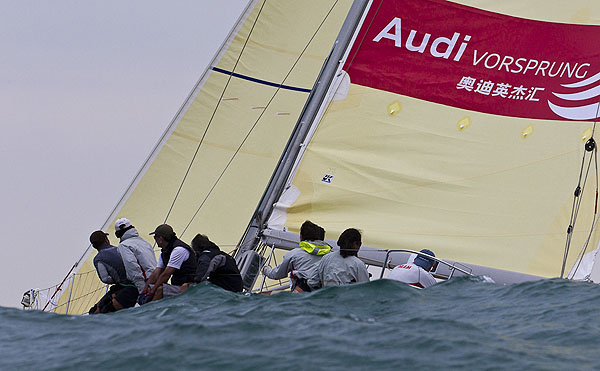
(460, 127)
(213, 163)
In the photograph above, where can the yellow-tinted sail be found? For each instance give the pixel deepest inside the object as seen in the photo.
(215, 161)
(422, 170)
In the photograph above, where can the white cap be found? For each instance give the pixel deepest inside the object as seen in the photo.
(122, 224)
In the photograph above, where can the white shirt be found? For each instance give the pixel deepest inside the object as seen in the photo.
(178, 256)
(413, 275)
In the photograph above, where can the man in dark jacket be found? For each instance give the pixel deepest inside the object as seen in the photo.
(216, 266)
(111, 270)
(177, 261)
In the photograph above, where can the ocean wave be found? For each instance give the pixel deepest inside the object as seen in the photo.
(459, 324)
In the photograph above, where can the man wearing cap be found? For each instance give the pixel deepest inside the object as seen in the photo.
(416, 274)
(110, 268)
(138, 255)
(177, 261)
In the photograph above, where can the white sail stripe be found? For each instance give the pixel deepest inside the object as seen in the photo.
(582, 95)
(589, 80)
(575, 113)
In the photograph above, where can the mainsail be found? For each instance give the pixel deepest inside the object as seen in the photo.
(454, 126)
(459, 128)
(211, 167)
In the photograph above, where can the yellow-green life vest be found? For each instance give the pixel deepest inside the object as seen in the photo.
(315, 247)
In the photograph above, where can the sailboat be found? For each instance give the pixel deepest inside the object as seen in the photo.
(463, 127)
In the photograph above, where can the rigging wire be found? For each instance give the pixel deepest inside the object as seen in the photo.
(594, 222)
(259, 117)
(571, 220)
(576, 204)
(590, 146)
(213, 113)
(59, 286)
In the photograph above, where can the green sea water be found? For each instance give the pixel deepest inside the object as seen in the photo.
(463, 324)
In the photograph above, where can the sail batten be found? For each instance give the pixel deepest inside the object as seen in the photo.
(249, 78)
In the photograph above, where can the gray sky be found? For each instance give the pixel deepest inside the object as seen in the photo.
(86, 90)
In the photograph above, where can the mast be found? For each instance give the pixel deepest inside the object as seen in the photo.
(310, 112)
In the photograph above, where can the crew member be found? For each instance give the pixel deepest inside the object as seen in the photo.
(177, 262)
(417, 273)
(138, 255)
(110, 268)
(300, 262)
(216, 266)
(341, 267)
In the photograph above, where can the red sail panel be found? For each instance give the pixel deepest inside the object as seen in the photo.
(469, 58)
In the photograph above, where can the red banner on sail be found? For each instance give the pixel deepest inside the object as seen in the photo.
(478, 60)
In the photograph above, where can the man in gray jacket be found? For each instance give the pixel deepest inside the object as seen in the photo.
(137, 254)
(341, 267)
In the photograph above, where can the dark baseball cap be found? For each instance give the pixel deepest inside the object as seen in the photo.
(424, 261)
(164, 230)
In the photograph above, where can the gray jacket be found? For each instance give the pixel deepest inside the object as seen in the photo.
(298, 260)
(138, 257)
(335, 270)
(109, 266)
